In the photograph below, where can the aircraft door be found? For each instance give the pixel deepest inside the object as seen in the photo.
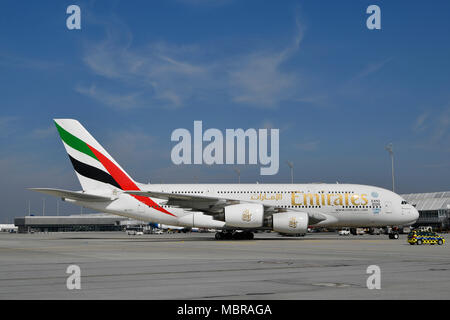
(388, 207)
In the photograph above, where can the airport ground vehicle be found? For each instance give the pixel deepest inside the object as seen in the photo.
(135, 231)
(394, 233)
(425, 229)
(344, 232)
(376, 231)
(357, 231)
(425, 237)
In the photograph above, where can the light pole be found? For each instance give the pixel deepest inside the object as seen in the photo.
(291, 165)
(239, 174)
(43, 206)
(390, 149)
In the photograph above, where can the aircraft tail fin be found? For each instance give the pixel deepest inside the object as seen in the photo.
(94, 167)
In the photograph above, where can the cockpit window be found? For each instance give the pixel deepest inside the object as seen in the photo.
(404, 202)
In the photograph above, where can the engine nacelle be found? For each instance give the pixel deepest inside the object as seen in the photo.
(249, 215)
(290, 222)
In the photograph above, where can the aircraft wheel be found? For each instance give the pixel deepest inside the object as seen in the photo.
(250, 236)
(228, 235)
(393, 236)
(236, 235)
(219, 236)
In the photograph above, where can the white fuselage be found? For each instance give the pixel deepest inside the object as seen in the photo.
(343, 205)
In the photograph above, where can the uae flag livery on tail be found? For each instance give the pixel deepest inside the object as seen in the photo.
(95, 168)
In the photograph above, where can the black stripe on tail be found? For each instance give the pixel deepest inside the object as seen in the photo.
(93, 173)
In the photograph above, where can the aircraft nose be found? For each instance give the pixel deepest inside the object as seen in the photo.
(415, 214)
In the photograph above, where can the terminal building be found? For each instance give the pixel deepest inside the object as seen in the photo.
(434, 209)
(86, 222)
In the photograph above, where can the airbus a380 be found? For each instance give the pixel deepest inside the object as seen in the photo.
(237, 210)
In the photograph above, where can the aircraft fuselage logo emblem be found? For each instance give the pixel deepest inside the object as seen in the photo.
(246, 216)
(293, 223)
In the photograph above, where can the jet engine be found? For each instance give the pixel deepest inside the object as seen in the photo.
(290, 222)
(247, 215)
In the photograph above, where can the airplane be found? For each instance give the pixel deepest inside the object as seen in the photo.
(235, 210)
(8, 228)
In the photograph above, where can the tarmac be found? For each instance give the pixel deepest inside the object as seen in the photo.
(114, 265)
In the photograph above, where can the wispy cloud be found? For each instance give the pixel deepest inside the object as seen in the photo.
(113, 99)
(370, 69)
(433, 129)
(156, 75)
(348, 87)
(42, 133)
(419, 125)
(169, 75)
(258, 78)
(442, 126)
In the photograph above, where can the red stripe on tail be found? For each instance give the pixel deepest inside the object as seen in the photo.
(124, 181)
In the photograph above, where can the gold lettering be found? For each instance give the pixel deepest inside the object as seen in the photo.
(339, 200)
(311, 198)
(329, 198)
(346, 199)
(365, 201)
(354, 198)
(293, 199)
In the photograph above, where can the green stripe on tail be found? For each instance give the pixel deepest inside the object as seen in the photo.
(74, 142)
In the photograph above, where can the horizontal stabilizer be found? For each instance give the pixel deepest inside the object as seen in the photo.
(74, 195)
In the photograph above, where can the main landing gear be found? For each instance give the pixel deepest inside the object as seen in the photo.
(235, 235)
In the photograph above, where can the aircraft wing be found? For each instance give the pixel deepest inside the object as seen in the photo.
(210, 205)
(171, 196)
(207, 204)
(74, 195)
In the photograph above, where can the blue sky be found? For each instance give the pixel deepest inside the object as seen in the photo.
(136, 71)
